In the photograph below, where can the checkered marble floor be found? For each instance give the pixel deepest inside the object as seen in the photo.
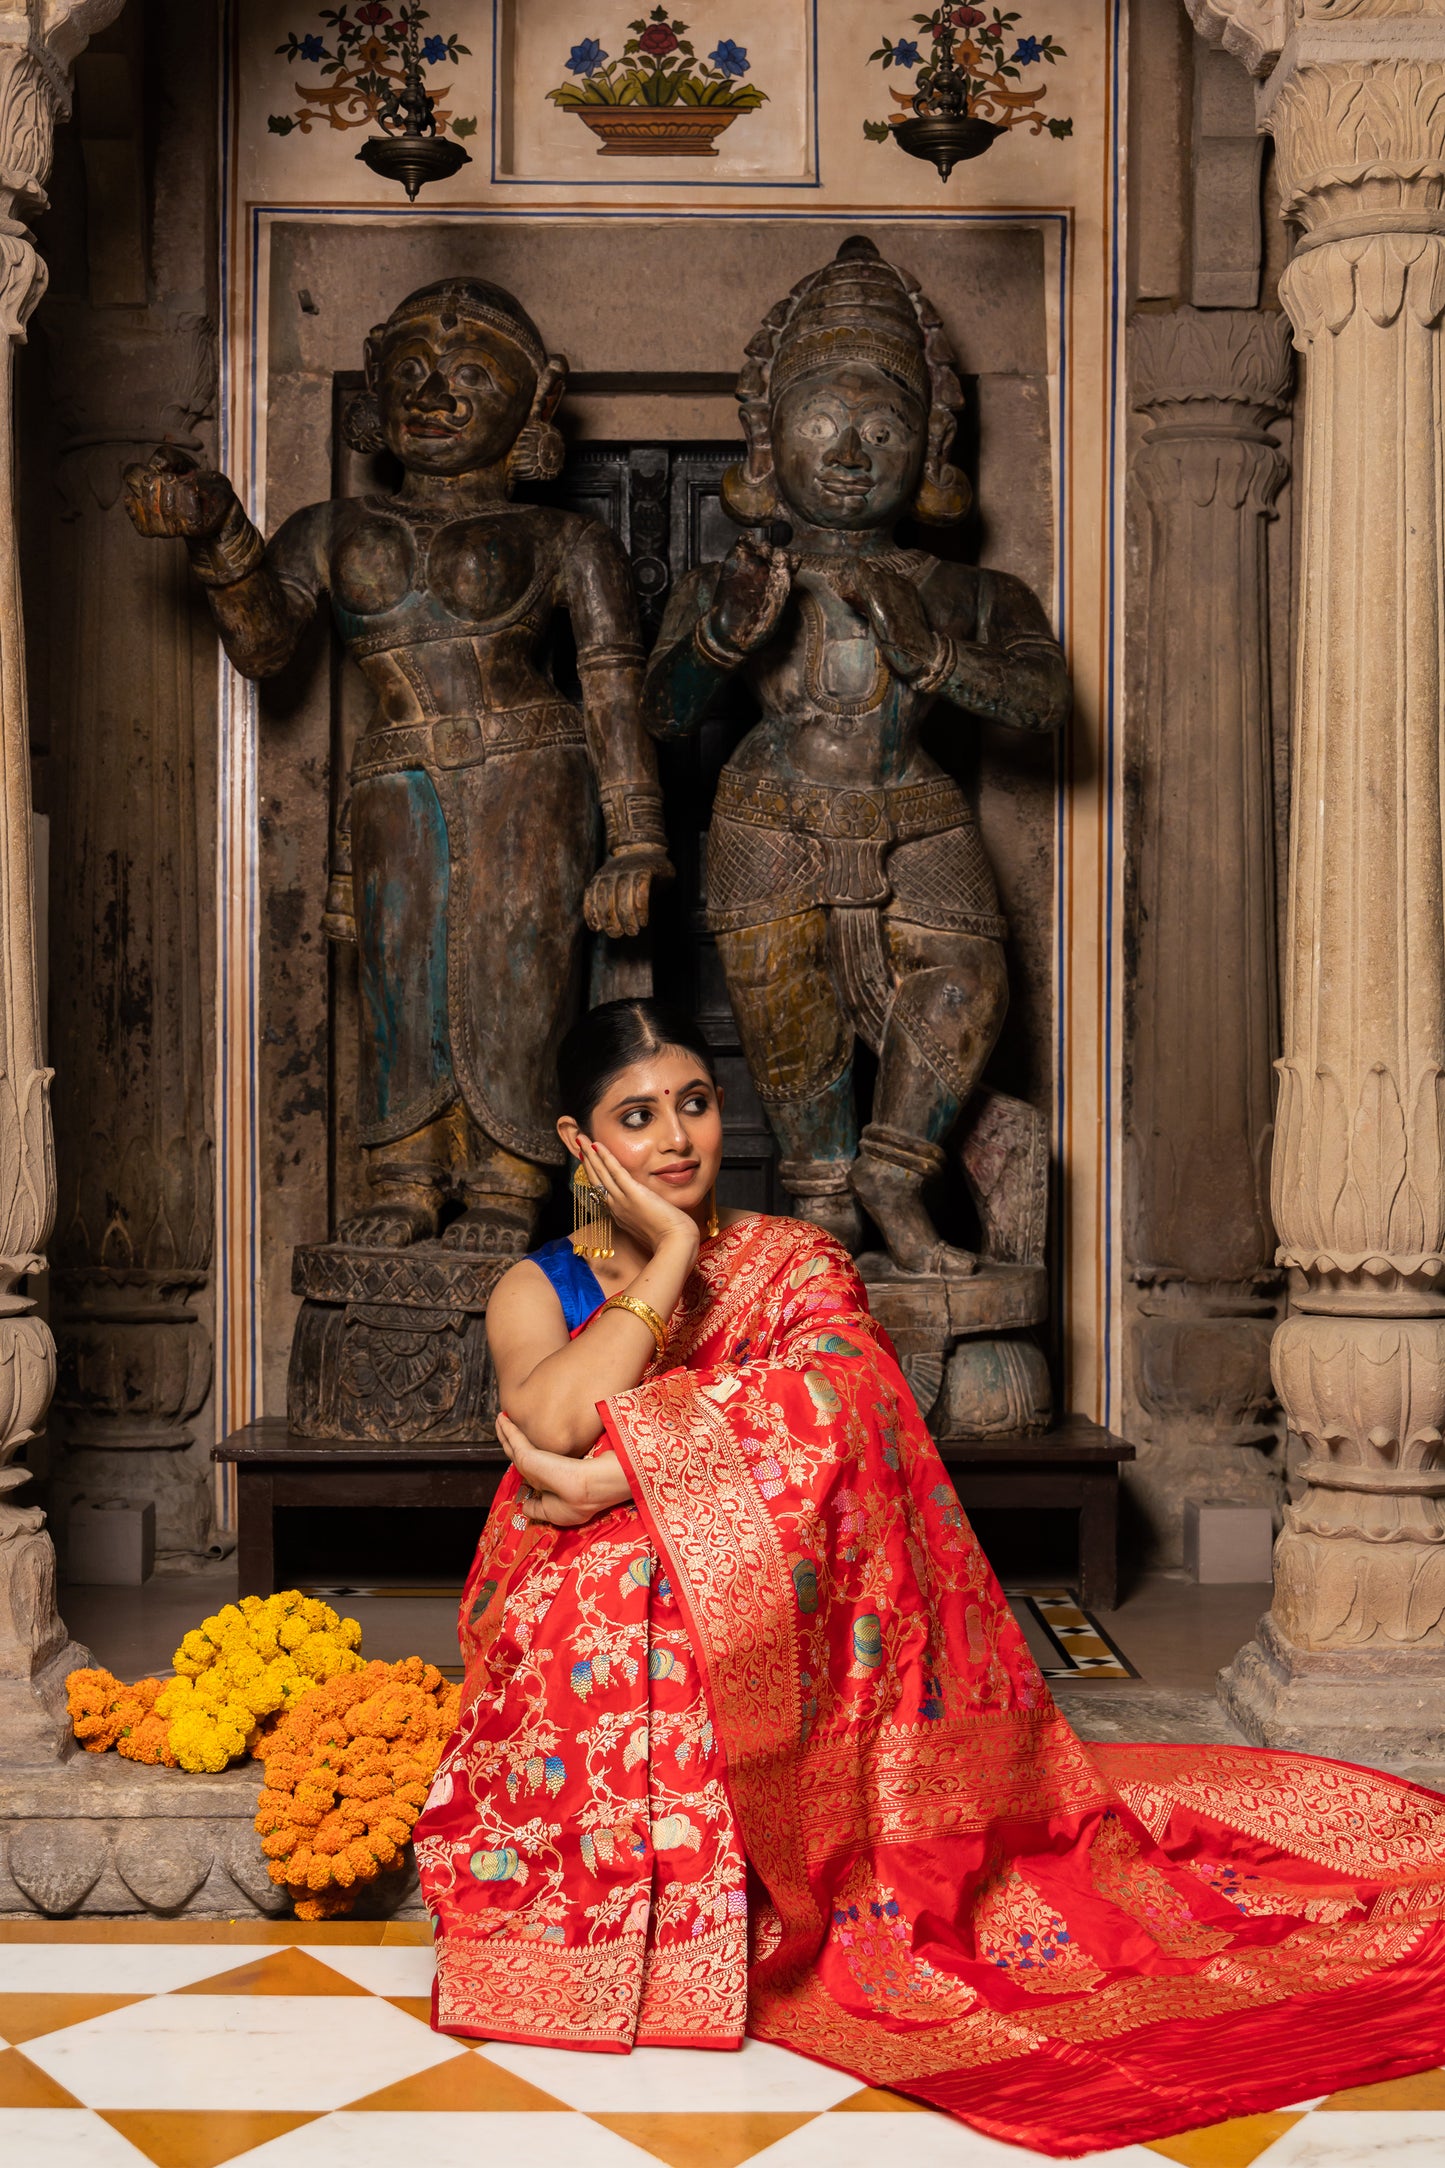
(193, 2045)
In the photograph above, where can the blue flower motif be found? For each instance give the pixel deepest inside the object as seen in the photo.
(1026, 50)
(732, 59)
(312, 48)
(434, 49)
(906, 53)
(585, 57)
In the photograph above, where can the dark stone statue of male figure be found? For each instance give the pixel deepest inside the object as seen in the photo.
(469, 864)
(846, 881)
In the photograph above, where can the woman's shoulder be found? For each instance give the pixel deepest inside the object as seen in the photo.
(524, 1285)
(791, 1242)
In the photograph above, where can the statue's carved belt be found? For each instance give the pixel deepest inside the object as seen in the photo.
(777, 847)
(462, 741)
(880, 813)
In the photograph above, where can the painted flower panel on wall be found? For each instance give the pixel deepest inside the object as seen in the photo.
(658, 96)
(360, 55)
(995, 54)
(694, 93)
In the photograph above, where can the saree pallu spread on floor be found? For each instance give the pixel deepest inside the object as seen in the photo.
(767, 1751)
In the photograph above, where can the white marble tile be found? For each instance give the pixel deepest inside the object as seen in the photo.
(118, 1968)
(63, 2138)
(445, 2140)
(404, 1969)
(922, 2141)
(676, 2081)
(239, 2051)
(1366, 2138)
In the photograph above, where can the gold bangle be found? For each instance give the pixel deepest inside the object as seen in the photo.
(645, 1311)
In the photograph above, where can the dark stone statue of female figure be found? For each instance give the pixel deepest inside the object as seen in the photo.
(473, 813)
(846, 881)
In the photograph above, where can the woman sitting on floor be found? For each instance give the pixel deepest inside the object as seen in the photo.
(751, 1742)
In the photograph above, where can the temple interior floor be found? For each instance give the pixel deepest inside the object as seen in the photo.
(193, 2044)
(1175, 1633)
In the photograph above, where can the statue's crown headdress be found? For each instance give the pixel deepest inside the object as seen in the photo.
(858, 308)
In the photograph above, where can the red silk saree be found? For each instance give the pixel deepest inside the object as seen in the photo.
(766, 1751)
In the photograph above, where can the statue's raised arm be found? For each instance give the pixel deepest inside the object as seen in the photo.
(262, 599)
(466, 869)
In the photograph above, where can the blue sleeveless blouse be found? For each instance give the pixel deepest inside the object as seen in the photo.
(578, 1289)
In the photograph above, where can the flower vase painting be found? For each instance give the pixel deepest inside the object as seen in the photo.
(716, 93)
(659, 97)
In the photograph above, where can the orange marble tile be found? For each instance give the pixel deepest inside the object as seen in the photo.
(702, 2141)
(468, 2084)
(289, 1972)
(22, 2085)
(1226, 2145)
(187, 2138)
(1425, 2089)
(29, 2017)
(418, 2006)
(874, 2100)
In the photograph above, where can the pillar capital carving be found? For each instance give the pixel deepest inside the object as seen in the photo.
(1211, 381)
(1253, 30)
(39, 39)
(1236, 355)
(1360, 153)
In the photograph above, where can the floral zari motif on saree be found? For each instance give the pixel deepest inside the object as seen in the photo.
(765, 1750)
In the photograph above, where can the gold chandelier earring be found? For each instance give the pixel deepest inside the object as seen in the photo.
(712, 1219)
(593, 1233)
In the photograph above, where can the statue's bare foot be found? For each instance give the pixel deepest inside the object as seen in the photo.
(392, 1226)
(480, 1233)
(837, 1214)
(892, 1196)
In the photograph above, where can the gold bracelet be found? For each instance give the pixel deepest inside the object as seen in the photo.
(645, 1311)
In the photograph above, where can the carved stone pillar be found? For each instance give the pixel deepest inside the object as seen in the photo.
(134, 1228)
(1199, 1242)
(1351, 1659)
(37, 43)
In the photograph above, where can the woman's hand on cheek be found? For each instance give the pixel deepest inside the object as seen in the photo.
(648, 1218)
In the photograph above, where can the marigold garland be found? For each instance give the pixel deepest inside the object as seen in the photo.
(349, 1748)
(107, 1713)
(235, 1673)
(348, 1768)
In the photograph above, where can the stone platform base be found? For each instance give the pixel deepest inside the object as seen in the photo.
(1382, 1707)
(99, 1837)
(391, 1344)
(965, 1345)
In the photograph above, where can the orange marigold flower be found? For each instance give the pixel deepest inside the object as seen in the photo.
(348, 1767)
(93, 1698)
(148, 1740)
